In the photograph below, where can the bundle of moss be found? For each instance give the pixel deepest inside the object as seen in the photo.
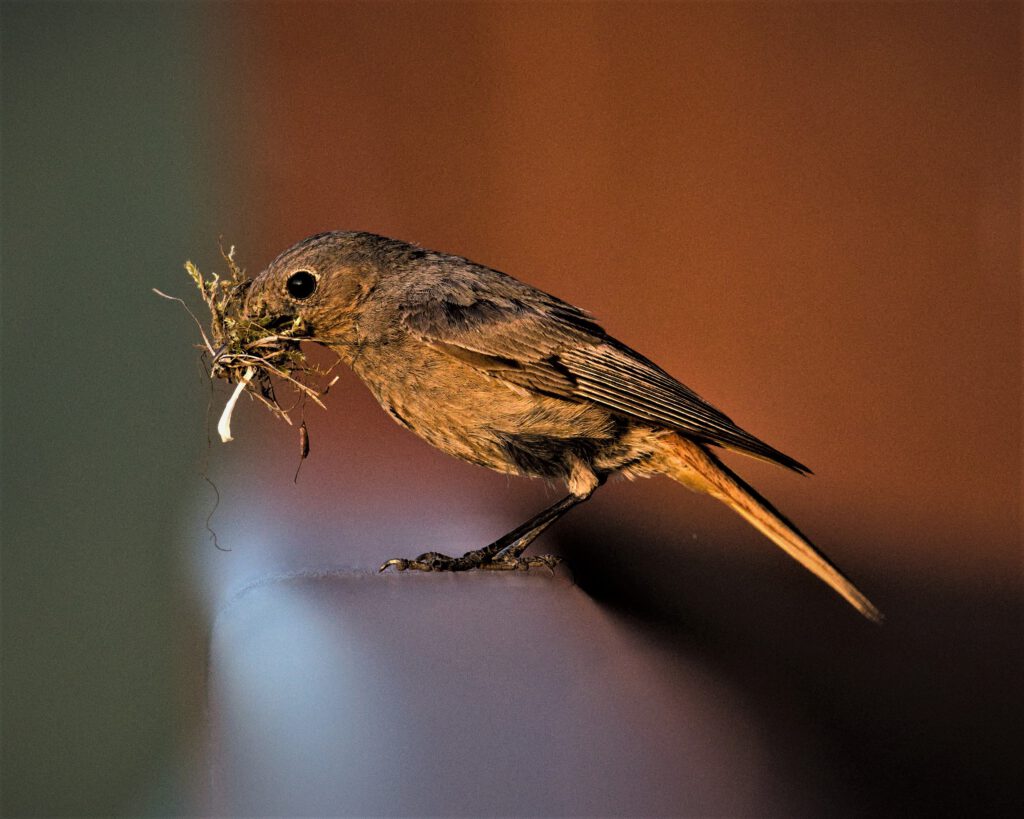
(246, 349)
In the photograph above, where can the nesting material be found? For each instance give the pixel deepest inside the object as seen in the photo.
(249, 350)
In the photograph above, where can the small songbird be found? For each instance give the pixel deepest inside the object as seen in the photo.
(501, 374)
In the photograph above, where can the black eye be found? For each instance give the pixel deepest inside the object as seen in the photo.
(301, 285)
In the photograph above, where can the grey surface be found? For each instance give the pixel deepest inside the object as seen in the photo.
(344, 693)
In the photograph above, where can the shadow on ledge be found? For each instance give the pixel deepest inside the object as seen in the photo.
(920, 716)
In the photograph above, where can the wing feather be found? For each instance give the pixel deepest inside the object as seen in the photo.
(532, 340)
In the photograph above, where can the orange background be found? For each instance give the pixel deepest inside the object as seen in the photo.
(809, 213)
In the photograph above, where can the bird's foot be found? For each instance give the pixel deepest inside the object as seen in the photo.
(522, 564)
(436, 562)
(479, 559)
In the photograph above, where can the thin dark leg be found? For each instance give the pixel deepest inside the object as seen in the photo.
(504, 553)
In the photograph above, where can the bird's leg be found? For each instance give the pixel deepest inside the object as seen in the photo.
(504, 553)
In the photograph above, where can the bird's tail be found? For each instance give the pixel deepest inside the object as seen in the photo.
(696, 468)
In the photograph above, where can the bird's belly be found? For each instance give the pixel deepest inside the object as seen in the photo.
(482, 419)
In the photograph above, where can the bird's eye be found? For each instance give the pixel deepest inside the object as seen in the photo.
(301, 284)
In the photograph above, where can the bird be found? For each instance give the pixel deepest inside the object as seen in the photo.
(501, 374)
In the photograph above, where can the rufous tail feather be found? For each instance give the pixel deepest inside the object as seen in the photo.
(696, 468)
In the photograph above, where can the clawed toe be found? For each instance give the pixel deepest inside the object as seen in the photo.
(426, 562)
(437, 562)
(522, 564)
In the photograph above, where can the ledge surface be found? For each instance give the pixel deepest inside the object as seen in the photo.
(344, 693)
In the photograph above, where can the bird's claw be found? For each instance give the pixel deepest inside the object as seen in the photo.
(522, 564)
(433, 562)
(436, 562)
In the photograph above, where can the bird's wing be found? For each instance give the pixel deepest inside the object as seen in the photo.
(528, 338)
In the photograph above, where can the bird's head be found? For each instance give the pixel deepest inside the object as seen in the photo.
(318, 286)
(315, 291)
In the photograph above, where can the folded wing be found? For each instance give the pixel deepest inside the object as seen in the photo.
(528, 338)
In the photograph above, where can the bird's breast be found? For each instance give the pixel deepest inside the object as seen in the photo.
(477, 416)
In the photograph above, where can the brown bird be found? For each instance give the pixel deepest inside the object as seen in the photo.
(501, 374)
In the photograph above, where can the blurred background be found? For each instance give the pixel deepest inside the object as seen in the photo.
(808, 212)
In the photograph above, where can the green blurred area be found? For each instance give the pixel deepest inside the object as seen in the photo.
(104, 189)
